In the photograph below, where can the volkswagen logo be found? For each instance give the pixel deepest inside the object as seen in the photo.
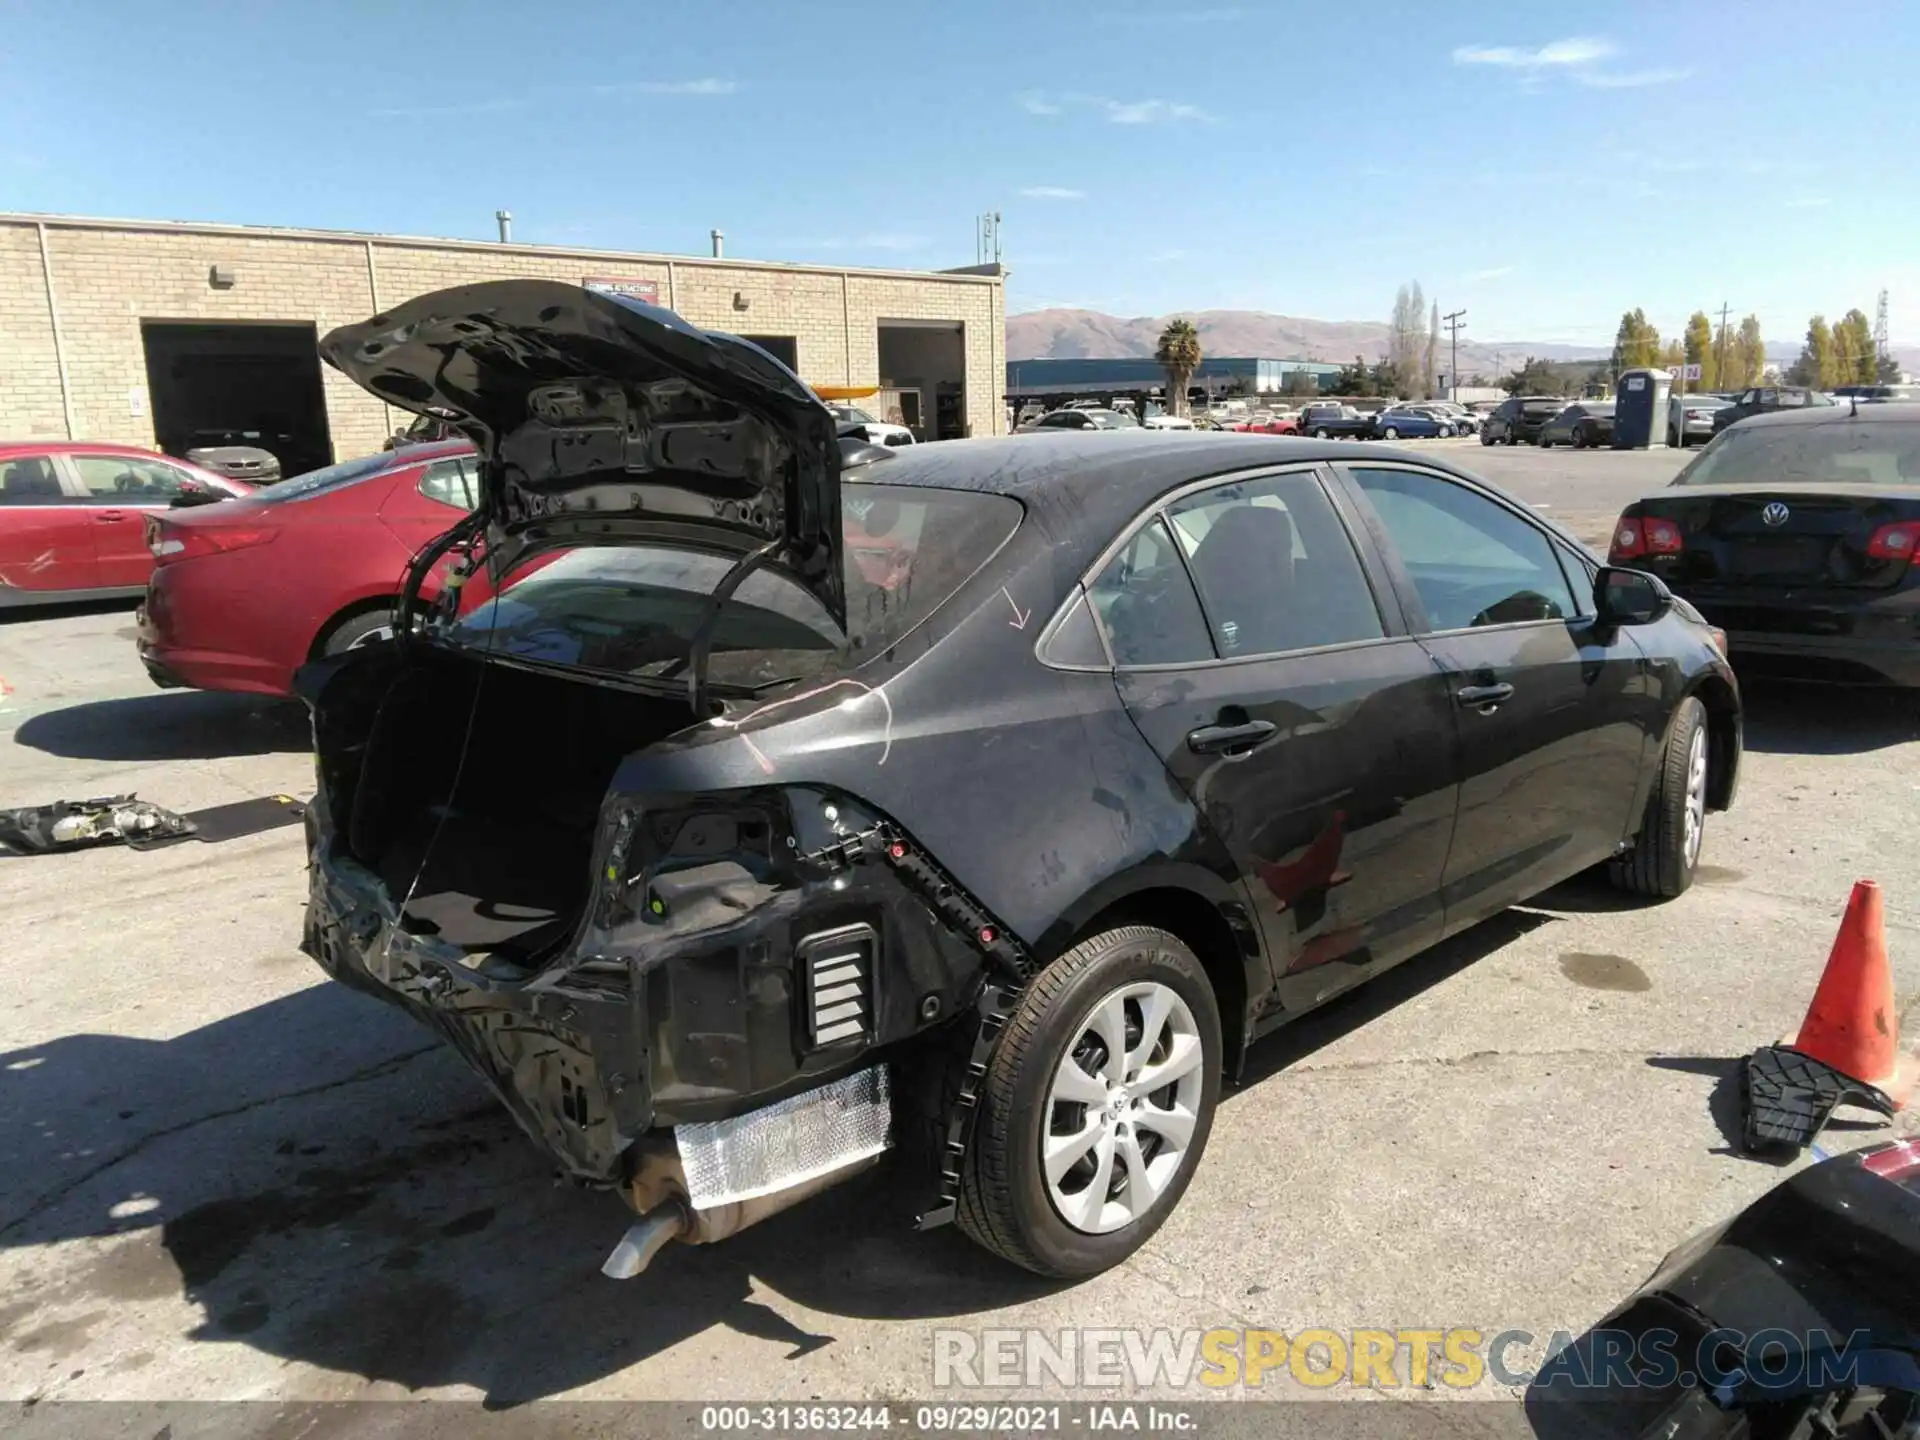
(1775, 514)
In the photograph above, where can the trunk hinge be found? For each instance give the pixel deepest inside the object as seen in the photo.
(700, 651)
(1010, 970)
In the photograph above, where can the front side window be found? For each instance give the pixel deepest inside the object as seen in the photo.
(1146, 604)
(118, 480)
(1474, 562)
(1275, 568)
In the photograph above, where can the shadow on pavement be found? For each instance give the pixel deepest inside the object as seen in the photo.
(1789, 719)
(177, 725)
(22, 614)
(330, 1185)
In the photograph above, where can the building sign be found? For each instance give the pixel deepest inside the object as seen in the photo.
(647, 291)
(1684, 372)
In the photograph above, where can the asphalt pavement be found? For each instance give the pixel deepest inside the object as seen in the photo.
(222, 1177)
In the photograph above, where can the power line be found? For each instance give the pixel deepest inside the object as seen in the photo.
(1455, 323)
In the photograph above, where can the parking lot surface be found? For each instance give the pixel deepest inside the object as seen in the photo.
(221, 1177)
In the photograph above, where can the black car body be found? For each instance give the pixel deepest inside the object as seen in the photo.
(1800, 1316)
(1335, 422)
(1582, 425)
(1519, 420)
(1794, 533)
(1766, 399)
(965, 762)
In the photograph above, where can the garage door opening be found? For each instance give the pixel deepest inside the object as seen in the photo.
(926, 362)
(238, 385)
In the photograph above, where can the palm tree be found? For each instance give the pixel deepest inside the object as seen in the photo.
(1179, 352)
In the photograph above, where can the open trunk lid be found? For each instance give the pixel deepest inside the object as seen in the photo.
(601, 418)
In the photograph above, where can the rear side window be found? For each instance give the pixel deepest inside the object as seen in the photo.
(452, 482)
(332, 477)
(1146, 604)
(30, 481)
(1275, 568)
(633, 610)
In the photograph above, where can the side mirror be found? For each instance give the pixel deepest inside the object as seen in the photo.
(1629, 597)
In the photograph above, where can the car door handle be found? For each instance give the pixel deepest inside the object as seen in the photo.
(1228, 739)
(109, 514)
(1483, 694)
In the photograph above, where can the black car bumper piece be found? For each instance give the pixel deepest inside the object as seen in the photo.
(701, 1002)
(1845, 639)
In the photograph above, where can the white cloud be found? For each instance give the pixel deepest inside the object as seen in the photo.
(1153, 111)
(1493, 273)
(1628, 79)
(1575, 50)
(1052, 192)
(1150, 112)
(706, 86)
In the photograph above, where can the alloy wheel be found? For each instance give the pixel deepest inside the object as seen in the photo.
(1122, 1107)
(1696, 808)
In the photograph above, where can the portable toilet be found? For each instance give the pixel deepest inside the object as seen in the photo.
(1640, 410)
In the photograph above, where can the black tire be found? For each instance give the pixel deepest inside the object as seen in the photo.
(1544, 443)
(356, 630)
(1659, 865)
(1320, 433)
(1004, 1204)
(1390, 433)
(1674, 441)
(1485, 439)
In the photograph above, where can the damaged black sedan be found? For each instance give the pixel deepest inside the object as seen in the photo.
(764, 804)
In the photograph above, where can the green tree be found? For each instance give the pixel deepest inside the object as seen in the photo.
(1855, 360)
(1886, 370)
(1700, 350)
(1300, 382)
(1535, 377)
(1407, 333)
(1819, 360)
(1746, 357)
(1674, 352)
(1636, 343)
(1178, 353)
(1354, 379)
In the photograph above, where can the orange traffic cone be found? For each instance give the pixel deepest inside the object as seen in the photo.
(1851, 1024)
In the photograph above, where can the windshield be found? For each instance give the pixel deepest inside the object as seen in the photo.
(1831, 453)
(1541, 407)
(1113, 420)
(632, 610)
(347, 472)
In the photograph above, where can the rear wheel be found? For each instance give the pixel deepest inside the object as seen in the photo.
(1096, 1106)
(1320, 432)
(1486, 439)
(1667, 849)
(1390, 433)
(358, 630)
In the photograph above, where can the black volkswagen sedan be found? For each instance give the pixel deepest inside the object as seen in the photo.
(1795, 532)
(985, 799)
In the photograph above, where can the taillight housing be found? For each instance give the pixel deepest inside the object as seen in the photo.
(1638, 536)
(180, 542)
(1899, 1162)
(1895, 541)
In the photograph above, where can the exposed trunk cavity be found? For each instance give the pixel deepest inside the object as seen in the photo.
(494, 853)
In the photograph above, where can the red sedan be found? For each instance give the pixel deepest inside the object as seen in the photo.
(1273, 425)
(244, 594)
(73, 516)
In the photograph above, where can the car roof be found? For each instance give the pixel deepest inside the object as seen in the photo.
(1834, 415)
(1085, 488)
(71, 447)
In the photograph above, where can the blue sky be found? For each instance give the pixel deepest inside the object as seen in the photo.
(1542, 170)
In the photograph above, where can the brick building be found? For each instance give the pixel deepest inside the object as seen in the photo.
(158, 333)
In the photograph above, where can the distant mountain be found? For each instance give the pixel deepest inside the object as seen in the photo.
(1087, 334)
(1075, 334)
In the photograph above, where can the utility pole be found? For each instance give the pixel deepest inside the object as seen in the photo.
(1454, 327)
(1880, 351)
(1720, 366)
